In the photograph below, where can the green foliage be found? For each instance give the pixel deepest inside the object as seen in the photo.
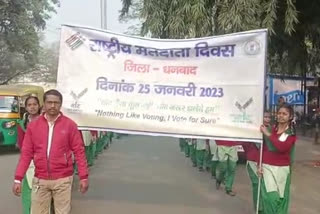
(46, 68)
(12, 64)
(294, 30)
(132, 16)
(20, 24)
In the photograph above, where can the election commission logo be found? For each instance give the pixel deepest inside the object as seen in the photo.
(75, 106)
(252, 47)
(75, 41)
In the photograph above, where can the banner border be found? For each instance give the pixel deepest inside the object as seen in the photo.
(264, 30)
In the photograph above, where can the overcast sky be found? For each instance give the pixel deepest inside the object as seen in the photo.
(84, 12)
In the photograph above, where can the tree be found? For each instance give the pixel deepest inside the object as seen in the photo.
(12, 64)
(293, 25)
(20, 24)
(46, 68)
(294, 30)
(50, 61)
(133, 16)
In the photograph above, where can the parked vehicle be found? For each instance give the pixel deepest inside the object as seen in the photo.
(12, 109)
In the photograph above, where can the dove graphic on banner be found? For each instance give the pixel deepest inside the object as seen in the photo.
(243, 107)
(76, 98)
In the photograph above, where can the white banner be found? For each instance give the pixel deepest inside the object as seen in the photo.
(206, 88)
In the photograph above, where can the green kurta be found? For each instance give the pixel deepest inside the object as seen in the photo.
(252, 172)
(214, 157)
(110, 136)
(200, 152)
(193, 154)
(100, 143)
(207, 159)
(182, 144)
(226, 168)
(275, 189)
(26, 196)
(87, 139)
(187, 147)
(26, 185)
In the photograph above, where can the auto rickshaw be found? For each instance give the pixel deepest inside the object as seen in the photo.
(12, 98)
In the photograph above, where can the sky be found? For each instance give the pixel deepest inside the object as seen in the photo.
(86, 13)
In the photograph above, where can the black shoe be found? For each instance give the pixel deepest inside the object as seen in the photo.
(231, 193)
(218, 184)
(201, 169)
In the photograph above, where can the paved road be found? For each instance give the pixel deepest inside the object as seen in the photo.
(140, 174)
(149, 175)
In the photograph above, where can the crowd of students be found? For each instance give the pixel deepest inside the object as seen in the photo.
(219, 157)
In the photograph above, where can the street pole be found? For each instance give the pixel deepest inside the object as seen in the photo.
(103, 14)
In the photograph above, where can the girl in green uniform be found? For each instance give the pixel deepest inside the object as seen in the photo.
(252, 151)
(278, 156)
(33, 112)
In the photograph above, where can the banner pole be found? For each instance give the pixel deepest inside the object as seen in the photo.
(261, 145)
(259, 176)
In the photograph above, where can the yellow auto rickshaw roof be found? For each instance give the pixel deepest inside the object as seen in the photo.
(20, 90)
